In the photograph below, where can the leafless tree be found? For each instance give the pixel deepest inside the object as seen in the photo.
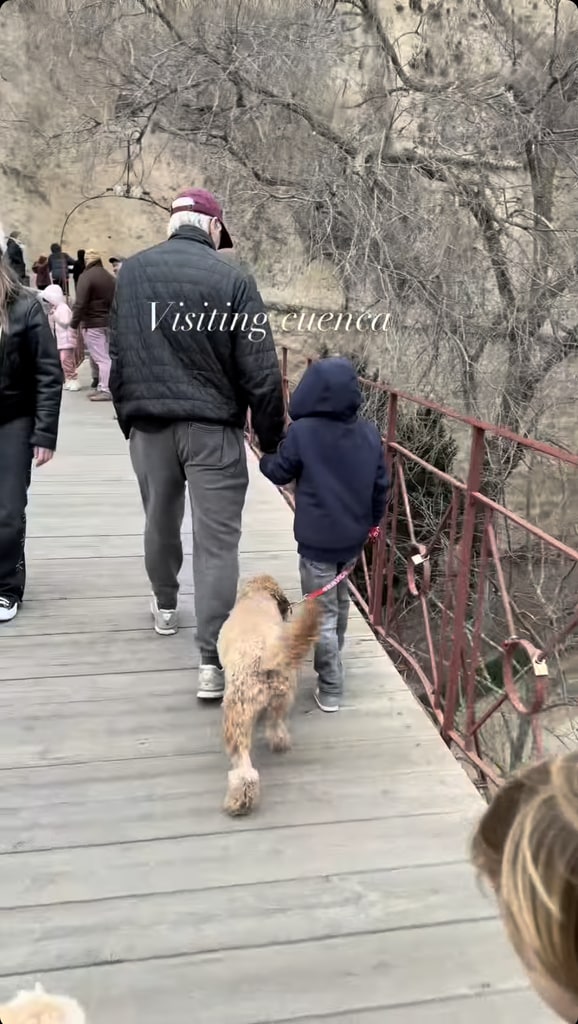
(435, 178)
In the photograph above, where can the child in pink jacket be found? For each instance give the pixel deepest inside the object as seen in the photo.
(60, 315)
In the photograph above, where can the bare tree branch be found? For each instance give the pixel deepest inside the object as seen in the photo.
(424, 191)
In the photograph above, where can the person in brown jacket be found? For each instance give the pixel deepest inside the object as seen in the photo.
(94, 295)
(42, 271)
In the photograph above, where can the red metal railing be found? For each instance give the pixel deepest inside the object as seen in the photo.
(480, 608)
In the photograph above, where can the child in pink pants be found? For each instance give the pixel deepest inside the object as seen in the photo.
(59, 316)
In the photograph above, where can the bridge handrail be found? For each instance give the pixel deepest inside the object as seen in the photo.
(453, 577)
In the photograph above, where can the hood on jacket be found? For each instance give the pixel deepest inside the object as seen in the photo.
(53, 294)
(329, 388)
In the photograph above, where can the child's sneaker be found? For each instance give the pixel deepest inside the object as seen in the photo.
(328, 702)
(72, 385)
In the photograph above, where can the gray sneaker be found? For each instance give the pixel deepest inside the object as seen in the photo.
(165, 619)
(211, 683)
(328, 702)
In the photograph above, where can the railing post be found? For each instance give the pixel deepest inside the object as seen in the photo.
(391, 432)
(462, 594)
(285, 378)
(378, 562)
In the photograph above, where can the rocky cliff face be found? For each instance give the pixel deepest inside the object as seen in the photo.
(45, 171)
(40, 183)
(62, 141)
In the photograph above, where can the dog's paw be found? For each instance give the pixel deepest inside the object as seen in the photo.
(242, 792)
(279, 740)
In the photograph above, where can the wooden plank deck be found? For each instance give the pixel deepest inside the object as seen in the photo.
(347, 897)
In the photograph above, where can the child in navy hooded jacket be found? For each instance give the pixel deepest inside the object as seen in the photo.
(336, 460)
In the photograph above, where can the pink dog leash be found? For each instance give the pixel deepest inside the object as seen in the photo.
(332, 583)
(374, 536)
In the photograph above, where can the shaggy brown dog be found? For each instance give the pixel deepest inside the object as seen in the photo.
(38, 1007)
(260, 653)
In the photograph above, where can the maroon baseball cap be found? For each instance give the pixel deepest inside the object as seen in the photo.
(198, 200)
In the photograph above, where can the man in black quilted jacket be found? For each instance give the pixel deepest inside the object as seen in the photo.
(191, 352)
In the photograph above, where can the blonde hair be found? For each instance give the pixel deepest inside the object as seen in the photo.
(526, 845)
(9, 289)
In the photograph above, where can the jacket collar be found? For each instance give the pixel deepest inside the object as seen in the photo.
(194, 235)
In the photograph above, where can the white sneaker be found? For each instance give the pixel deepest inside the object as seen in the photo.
(327, 702)
(8, 609)
(165, 619)
(211, 683)
(72, 385)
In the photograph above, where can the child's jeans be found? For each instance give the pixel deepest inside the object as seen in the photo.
(335, 608)
(68, 363)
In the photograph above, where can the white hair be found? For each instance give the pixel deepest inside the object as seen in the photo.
(187, 218)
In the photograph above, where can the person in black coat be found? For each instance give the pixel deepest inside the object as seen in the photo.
(30, 396)
(191, 352)
(79, 265)
(59, 264)
(15, 256)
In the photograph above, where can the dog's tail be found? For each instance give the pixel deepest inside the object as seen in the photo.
(297, 636)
